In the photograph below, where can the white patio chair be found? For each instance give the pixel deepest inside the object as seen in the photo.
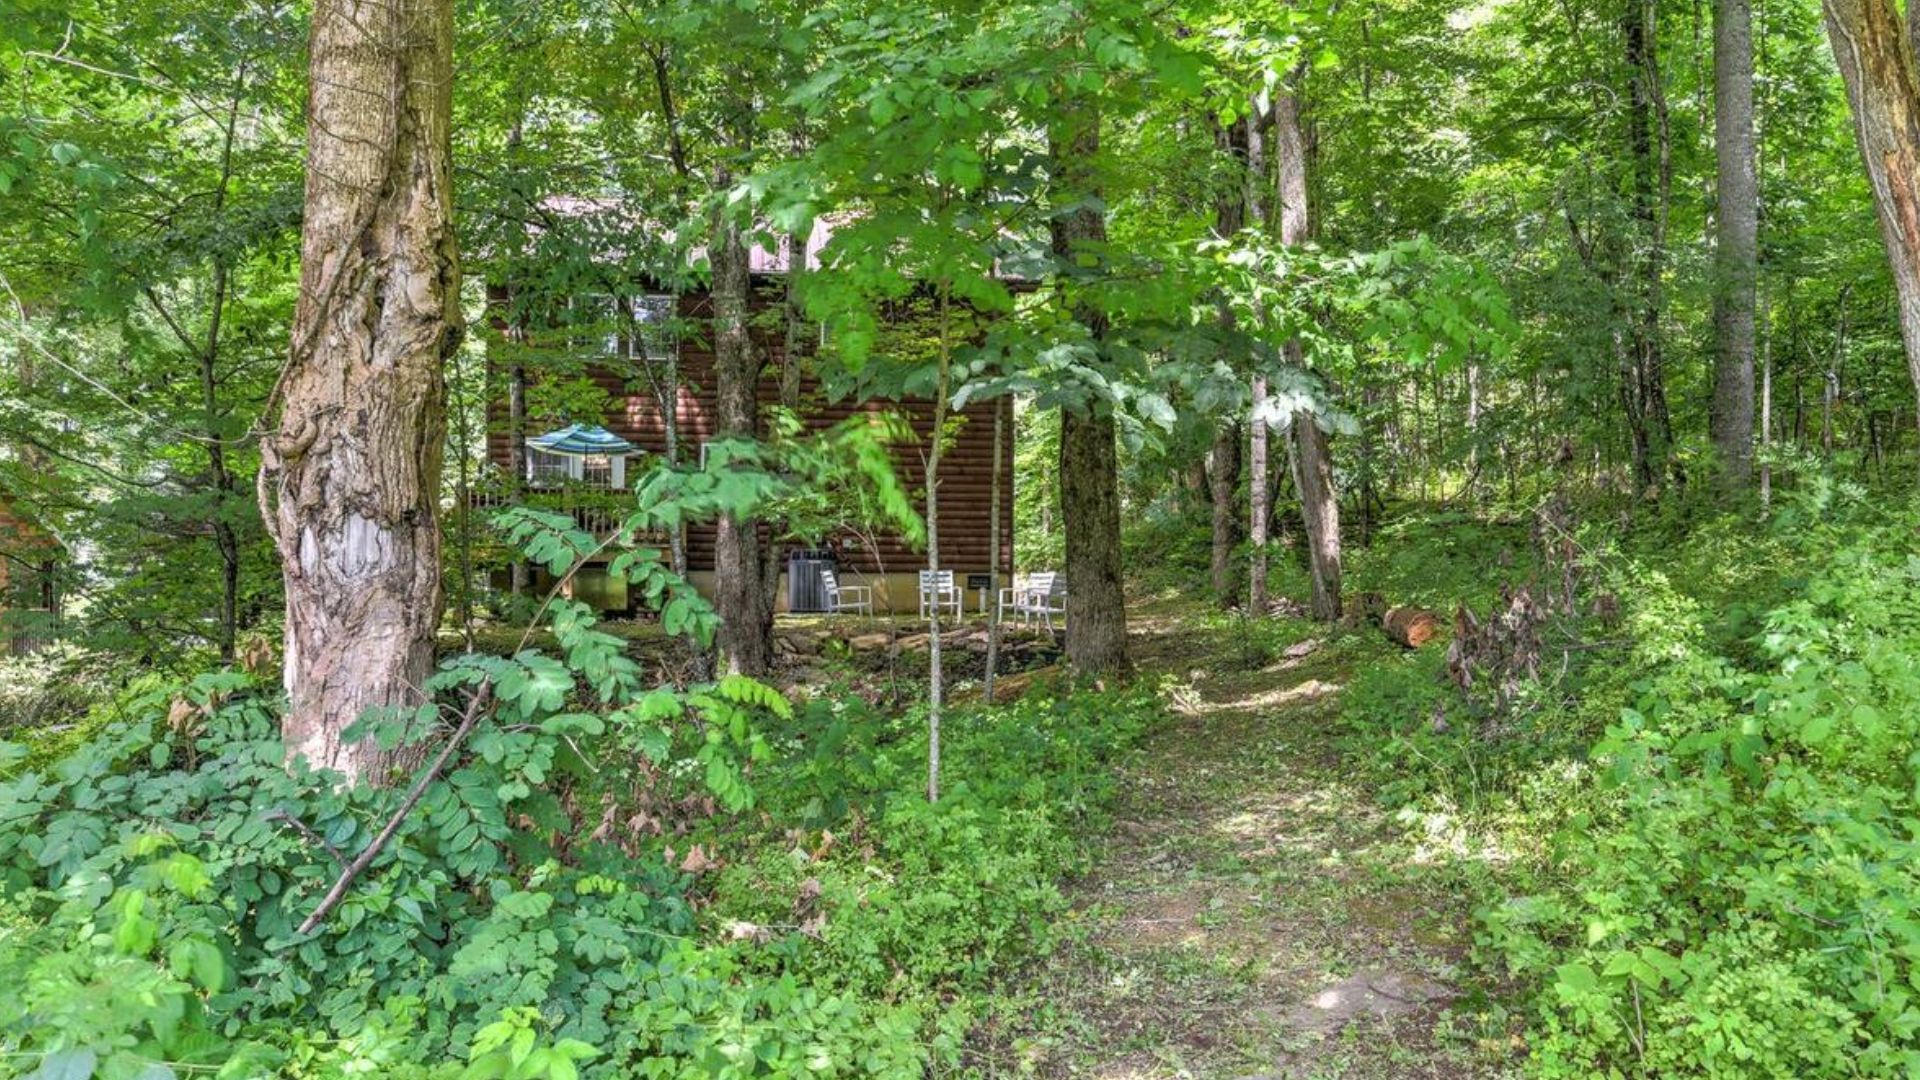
(843, 599)
(937, 591)
(1041, 596)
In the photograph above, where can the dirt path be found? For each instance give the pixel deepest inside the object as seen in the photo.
(1253, 913)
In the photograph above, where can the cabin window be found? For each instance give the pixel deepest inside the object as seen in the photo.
(595, 324)
(653, 333)
(546, 469)
(596, 470)
(549, 470)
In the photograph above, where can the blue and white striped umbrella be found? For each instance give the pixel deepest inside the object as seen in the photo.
(582, 440)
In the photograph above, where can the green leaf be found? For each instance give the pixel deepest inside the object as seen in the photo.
(1816, 731)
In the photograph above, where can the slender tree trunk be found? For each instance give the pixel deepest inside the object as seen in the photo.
(1000, 409)
(463, 511)
(936, 667)
(225, 538)
(1089, 455)
(1736, 249)
(350, 481)
(1650, 143)
(1259, 498)
(796, 351)
(1766, 404)
(1312, 459)
(746, 623)
(1223, 482)
(1230, 213)
(1876, 56)
(1473, 426)
(1830, 387)
(517, 461)
(518, 574)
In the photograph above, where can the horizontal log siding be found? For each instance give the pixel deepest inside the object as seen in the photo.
(966, 472)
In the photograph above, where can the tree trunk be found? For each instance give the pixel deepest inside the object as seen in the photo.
(1259, 499)
(1230, 212)
(1000, 409)
(1089, 457)
(1766, 405)
(350, 481)
(1320, 512)
(1312, 460)
(746, 622)
(1223, 482)
(1652, 181)
(517, 454)
(1090, 513)
(1736, 249)
(226, 539)
(796, 352)
(936, 666)
(1876, 57)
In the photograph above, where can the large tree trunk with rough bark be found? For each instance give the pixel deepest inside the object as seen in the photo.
(1736, 246)
(1312, 459)
(1876, 57)
(350, 480)
(1089, 455)
(739, 597)
(1319, 511)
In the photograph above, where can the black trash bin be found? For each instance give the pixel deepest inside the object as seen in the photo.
(806, 585)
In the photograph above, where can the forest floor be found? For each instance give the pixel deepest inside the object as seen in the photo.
(1254, 912)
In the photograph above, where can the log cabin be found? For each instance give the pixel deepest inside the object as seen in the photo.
(635, 422)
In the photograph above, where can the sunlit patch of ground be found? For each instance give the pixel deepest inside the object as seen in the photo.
(1253, 912)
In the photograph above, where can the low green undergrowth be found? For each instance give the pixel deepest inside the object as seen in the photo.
(611, 879)
(832, 923)
(1697, 829)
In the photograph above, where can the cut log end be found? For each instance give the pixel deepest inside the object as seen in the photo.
(1411, 627)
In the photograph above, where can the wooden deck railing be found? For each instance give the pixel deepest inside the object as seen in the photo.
(597, 516)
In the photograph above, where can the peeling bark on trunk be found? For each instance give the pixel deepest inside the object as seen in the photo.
(1312, 460)
(1089, 457)
(1320, 511)
(746, 621)
(1736, 249)
(350, 481)
(1876, 56)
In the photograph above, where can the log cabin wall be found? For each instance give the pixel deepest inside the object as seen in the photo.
(966, 471)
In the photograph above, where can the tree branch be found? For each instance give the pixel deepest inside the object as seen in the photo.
(338, 892)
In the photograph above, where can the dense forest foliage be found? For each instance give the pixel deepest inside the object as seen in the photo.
(1475, 444)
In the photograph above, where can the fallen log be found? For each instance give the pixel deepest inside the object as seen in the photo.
(1411, 627)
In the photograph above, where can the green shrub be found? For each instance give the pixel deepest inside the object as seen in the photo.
(1742, 896)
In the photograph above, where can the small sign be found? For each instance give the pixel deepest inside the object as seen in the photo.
(979, 581)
